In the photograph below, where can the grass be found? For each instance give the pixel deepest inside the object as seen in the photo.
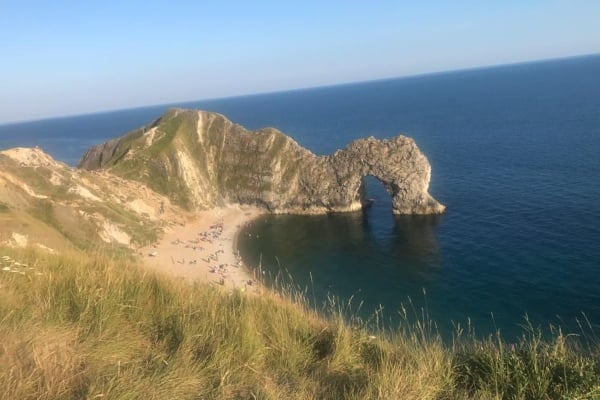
(533, 368)
(142, 232)
(77, 231)
(79, 326)
(156, 165)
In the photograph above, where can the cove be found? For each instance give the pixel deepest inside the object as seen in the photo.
(370, 256)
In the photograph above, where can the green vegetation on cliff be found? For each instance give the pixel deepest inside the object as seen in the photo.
(201, 159)
(94, 326)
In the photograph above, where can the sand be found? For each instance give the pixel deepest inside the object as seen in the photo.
(203, 249)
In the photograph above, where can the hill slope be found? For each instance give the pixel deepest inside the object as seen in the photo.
(48, 204)
(201, 159)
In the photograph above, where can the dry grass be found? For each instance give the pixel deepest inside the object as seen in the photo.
(91, 326)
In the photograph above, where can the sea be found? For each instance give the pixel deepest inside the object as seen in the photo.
(515, 156)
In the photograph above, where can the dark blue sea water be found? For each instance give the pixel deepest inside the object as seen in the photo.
(515, 154)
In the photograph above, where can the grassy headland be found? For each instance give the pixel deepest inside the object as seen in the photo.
(78, 326)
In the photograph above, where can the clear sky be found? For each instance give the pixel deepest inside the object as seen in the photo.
(71, 57)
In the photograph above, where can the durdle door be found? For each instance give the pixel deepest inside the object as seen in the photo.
(201, 159)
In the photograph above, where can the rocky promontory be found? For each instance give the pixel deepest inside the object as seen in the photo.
(201, 159)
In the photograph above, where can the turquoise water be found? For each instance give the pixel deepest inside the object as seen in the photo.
(514, 154)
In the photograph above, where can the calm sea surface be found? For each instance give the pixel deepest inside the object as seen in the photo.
(515, 154)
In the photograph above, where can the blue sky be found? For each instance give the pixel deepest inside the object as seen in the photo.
(72, 57)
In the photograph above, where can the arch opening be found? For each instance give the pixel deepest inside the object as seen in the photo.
(375, 193)
(378, 217)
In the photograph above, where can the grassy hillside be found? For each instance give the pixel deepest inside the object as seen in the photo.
(200, 159)
(93, 326)
(47, 203)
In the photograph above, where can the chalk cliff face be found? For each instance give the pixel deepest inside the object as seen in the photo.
(200, 159)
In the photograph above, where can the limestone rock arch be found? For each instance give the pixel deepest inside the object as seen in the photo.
(398, 164)
(201, 159)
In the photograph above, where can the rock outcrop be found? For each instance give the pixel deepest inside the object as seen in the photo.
(200, 159)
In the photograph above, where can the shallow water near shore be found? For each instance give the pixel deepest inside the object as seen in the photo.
(514, 154)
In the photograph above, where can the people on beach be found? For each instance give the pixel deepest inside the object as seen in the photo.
(204, 245)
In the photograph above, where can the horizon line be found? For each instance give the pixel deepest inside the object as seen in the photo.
(299, 89)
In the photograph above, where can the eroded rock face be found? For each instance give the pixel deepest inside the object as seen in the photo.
(400, 166)
(95, 157)
(201, 159)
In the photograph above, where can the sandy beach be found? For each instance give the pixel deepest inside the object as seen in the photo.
(203, 249)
